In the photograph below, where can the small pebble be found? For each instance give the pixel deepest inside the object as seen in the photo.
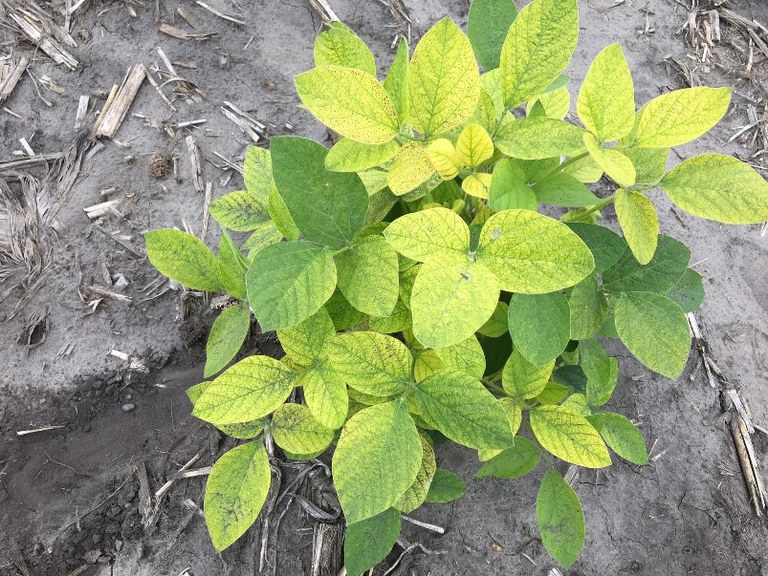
(128, 407)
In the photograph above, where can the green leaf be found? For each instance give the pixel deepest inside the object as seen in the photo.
(368, 542)
(452, 298)
(443, 80)
(338, 45)
(296, 430)
(569, 436)
(183, 258)
(509, 188)
(719, 188)
(349, 101)
(327, 207)
(288, 282)
(240, 211)
(410, 169)
(417, 493)
(374, 364)
(606, 104)
(368, 276)
(326, 397)
(305, 342)
(497, 324)
(639, 222)
(622, 437)
(226, 338)
(466, 356)
(350, 156)
(688, 293)
(650, 163)
(562, 189)
(680, 116)
(232, 267)
(249, 390)
(540, 325)
(396, 82)
(397, 321)
(474, 146)
(343, 314)
(194, 392)
(537, 48)
(265, 235)
(513, 462)
(523, 380)
(280, 215)
(446, 487)
(561, 519)
(667, 266)
(606, 246)
(532, 253)
(577, 403)
(461, 408)
(376, 460)
(431, 234)
(600, 371)
(556, 103)
(537, 138)
(588, 309)
(553, 393)
(257, 173)
(488, 24)
(617, 166)
(235, 492)
(655, 330)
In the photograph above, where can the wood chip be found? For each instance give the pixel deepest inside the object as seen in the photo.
(112, 115)
(40, 29)
(749, 466)
(183, 34)
(9, 82)
(96, 211)
(249, 125)
(220, 14)
(323, 8)
(38, 430)
(195, 161)
(82, 111)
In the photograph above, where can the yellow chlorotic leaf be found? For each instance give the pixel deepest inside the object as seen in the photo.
(569, 436)
(474, 145)
(477, 185)
(719, 188)
(556, 103)
(606, 103)
(443, 80)
(339, 45)
(349, 101)
(411, 168)
(584, 170)
(617, 166)
(444, 158)
(639, 222)
(350, 156)
(680, 116)
(432, 234)
(537, 48)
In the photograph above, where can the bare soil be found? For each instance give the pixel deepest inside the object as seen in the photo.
(72, 499)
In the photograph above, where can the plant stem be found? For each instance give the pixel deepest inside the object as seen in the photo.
(599, 206)
(565, 164)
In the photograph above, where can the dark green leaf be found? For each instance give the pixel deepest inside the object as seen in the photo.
(509, 188)
(688, 293)
(512, 462)
(328, 207)
(540, 325)
(561, 519)
(445, 487)
(489, 21)
(369, 541)
(562, 189)
(659, 275)
(226, 338)
(606, 246)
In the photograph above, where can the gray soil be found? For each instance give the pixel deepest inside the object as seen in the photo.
(71, 499)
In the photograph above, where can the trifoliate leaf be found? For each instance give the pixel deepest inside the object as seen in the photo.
(569, 436)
